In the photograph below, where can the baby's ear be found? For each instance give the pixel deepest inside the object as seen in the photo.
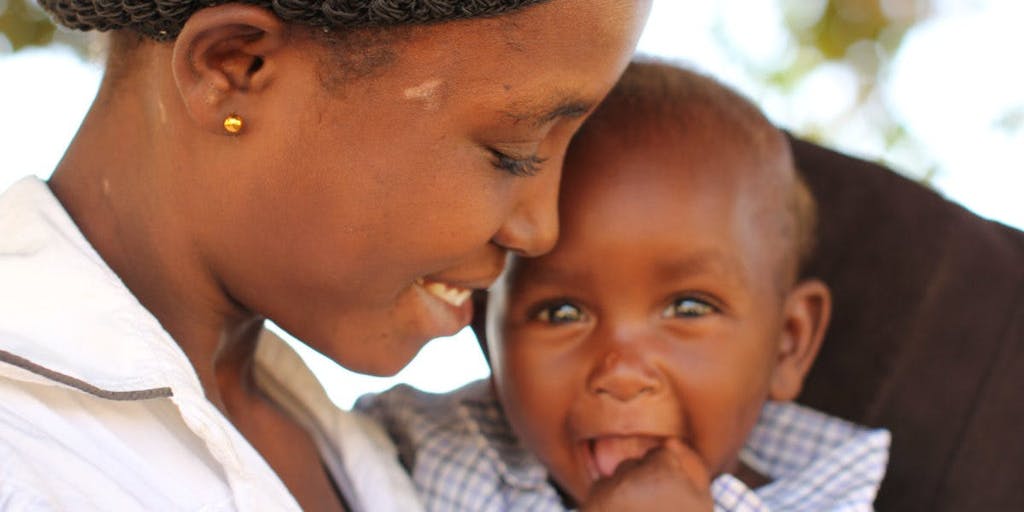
(806, 314)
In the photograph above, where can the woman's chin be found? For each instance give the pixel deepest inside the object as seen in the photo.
(381, 344)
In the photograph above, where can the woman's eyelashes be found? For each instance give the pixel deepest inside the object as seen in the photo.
(516, 165)
(558, 313)
(689, 307)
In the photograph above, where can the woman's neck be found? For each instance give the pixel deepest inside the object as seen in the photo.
(128, 180)
(110, 183)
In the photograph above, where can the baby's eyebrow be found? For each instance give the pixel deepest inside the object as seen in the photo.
(554, 274)
(712, 261)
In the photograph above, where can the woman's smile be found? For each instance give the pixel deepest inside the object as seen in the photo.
(446, 301)
(435, 312)
(454, 295)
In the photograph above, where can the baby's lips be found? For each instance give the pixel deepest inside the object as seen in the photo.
(610, 451)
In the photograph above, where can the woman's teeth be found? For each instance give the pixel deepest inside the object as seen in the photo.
(453, 295)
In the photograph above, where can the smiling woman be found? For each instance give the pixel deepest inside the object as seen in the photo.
(347, 170)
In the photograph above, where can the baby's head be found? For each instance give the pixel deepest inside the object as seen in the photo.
(671, 305)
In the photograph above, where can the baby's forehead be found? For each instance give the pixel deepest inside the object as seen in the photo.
(577, 265)
(669, 131)
(637, 179)
(625, 166)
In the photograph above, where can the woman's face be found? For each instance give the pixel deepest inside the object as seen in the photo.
(358, 216)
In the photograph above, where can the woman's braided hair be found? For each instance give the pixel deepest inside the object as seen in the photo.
(162, 20)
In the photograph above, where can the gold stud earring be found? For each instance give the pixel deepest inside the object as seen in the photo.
(233, 124)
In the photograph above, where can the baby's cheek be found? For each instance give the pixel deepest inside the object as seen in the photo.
(724, 431)
(566, 473)
(540, 426)
(540, 395)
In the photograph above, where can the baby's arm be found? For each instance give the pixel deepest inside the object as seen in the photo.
(671, 477)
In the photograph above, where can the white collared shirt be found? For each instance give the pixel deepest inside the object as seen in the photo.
(101, 410)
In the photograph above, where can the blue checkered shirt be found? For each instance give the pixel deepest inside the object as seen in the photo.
(463, 456)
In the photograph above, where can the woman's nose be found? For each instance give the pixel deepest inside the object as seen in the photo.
(531, 229)
(624, 375)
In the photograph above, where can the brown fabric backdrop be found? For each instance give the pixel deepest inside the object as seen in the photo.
(927, 336)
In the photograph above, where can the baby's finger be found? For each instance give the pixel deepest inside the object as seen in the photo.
(691, 464)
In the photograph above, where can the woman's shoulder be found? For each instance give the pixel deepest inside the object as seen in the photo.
(63, 449)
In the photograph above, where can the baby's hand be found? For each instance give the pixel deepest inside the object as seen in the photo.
(671, 477)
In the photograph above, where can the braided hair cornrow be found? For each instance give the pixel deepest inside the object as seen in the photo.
(162, 20)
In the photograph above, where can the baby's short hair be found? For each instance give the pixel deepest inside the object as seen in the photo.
(666, 98)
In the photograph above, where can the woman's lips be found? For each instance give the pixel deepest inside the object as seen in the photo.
(606, 453)
(449, 293)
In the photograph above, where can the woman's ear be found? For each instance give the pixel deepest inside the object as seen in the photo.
(223, 56)
(806, 315)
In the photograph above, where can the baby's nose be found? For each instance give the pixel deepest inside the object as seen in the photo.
(623, 376)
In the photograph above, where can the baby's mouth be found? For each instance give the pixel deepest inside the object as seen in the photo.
(450, 294)
(608, 452)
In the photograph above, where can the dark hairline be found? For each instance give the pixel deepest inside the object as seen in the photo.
(163, 21)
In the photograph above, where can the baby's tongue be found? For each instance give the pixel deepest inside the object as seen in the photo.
(609, 452)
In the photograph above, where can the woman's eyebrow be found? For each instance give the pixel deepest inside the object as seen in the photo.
(566, 108)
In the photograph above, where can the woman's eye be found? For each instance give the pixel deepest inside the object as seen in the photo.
(517, 165)
(561, 313)
(689, 307)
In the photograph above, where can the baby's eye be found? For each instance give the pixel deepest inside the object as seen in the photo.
(559, 313)
(689, 307)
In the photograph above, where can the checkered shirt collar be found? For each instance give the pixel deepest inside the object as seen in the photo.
(486, 421)
(816, 462)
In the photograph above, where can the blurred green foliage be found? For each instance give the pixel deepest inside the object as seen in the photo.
(837, 25)
(23, 23)
(860, 34)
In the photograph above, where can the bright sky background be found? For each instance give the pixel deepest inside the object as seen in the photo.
(957, 84)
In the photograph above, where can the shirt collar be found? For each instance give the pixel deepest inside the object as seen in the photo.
(516, 465)
(68, 319)
(812, 459)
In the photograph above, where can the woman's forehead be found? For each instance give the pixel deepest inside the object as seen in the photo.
(541, 65)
